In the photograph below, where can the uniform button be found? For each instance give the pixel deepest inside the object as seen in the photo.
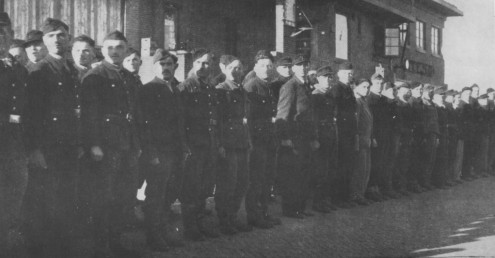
(211, 112)
(54, 119)
(77, 95)
(13, 84)
(14, 108)
(108, 120)
(14, 97)
(235, 101)
(59, 83)
(264, 101)
(78, 106)
(113, 85)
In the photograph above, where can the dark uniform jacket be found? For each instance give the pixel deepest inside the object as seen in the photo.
(263, 109)
(405, 121)
(200, 112)
(163, 120)
(277, 84)
(430, 119)
(453, 120)
(13, 82)
(467, 120)
(483, 117)
(365, 122)
(234, 110)
(54, 103)
(110, 108)
(295, 117)
(347, 115)
(30, 66)
(325, 110)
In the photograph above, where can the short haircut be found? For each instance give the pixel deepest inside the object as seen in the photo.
(133, 51)
(84, 38)
(199, 52)
(115, 35)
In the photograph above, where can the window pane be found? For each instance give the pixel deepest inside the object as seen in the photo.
(341, 37)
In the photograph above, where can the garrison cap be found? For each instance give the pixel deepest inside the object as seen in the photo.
(376, 76)
(439, 91)
(161, 54)
(51, 25)
(324, 71)
(466, 88)
(263, 54)
(475, 86)
(284, 61)
(115, 35)
(483, 96)
(4, 19)
(199, 52)
(450, 93)
(227, 59)
(387, 85)
(33, 37)
(428, 87)
(346, 66)
(401, 84)
(300, 59)
(490, 90)
(17, 43)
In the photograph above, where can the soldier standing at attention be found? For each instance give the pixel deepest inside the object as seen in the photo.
(468, 129)
(491, 109)
(296, 128)
(54, 112)
(261, 117)
(35, 48)
(284, 73)
(325, 158)
(110, 119)
(482, 135)
(347, 133)
(202, 134)
(440, 171)
(232, 182)
(164, 145)
(13, 169)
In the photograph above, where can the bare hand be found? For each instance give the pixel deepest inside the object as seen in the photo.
(287, 143)
(38, 159)
(315, 145)
(221, 151)
(96, 153)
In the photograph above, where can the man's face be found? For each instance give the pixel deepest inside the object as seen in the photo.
(438, 99)
(262, 68)
(426, 95)
(19, 54)
(82, 53)
(404, 93)
(132, 63)
(36, 52)
(417, 92)
(475, 92)
(56, 41)
(201, 66)
(234, 71)
(449, 99)
(466, 94)
(284, 70)
(389, 93)
(345, 76)
(6, 35)
(165, 69)
(323, 83)
(301, 69)
(362, 89)
(491, 96)
(483, 102)
(376, 86)
(114, 51)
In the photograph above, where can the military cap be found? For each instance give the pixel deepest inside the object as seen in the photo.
(115, 35)
(490, 90)
(263, 54)
(483, 96)
(466, 88)
(33, 37)
(4, 19)
(401, 84)
(450, 93)
(51, 25)
(475, 86)
(300, 59)
(376, 76)
(346, 66)
(439, 91)
(87, 39)
(387, 85)
(324, 71)
(161, 54)
(227, 59)
(284, 61)
(428, 87)
(17, 43)
(199, 52)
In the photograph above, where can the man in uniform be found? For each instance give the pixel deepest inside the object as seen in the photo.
(491, 153)
(202, 134)
(164, 145)
(468, 115)
(454, 144)
(35, 48)
(55, 144)
(261, 117)
(296, 129)
(13, 169)
(440, 171)
(83, 54)
(17, 51)
(110, 119)
(482, 135)
(347, 133)
(284, 73)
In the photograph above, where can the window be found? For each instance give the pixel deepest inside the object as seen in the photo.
(420, 35)
(435, 42)
(403, 30)
(170, 35)
(290, 12)
(279, 28)
(341, 37)
(392, 37)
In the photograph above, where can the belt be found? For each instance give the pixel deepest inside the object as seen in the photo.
(10, 118)
(119, 118)
(213, 122)
(66, 116)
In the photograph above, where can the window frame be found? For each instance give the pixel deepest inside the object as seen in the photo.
(435, 41)
(420, 35)
(347, 36)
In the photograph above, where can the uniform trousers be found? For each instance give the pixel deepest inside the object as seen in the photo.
(347, 154)
(403, 166)
(361, 174)
(325, 168)
(481, 161)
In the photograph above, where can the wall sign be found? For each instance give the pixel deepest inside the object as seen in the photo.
(419, 68)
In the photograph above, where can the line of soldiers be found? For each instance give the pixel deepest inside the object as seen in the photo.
(79, 138)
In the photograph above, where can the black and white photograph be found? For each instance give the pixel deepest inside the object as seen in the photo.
(247, 128)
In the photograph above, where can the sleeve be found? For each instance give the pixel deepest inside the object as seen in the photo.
(90, 111)
(221, 108)
(284, 107)
(146, 134)
(36, 108)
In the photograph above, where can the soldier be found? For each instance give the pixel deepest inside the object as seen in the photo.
(83, 54)
(491, 153)
(416, 148)
(459, 155)
(17, 51)
(132, 63)
(296, 129)
(453, 136)
(482, 135)
(325, 158)
(164, 145)
(361, 173)
(405, 133)
(232, 182)
(347, 133)
(110, 117)
(468, 115)
(35, 48)
(202, 134)
(13, 170)
(440, 171)
(55, 143)
(261, 117)
(284, 73)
